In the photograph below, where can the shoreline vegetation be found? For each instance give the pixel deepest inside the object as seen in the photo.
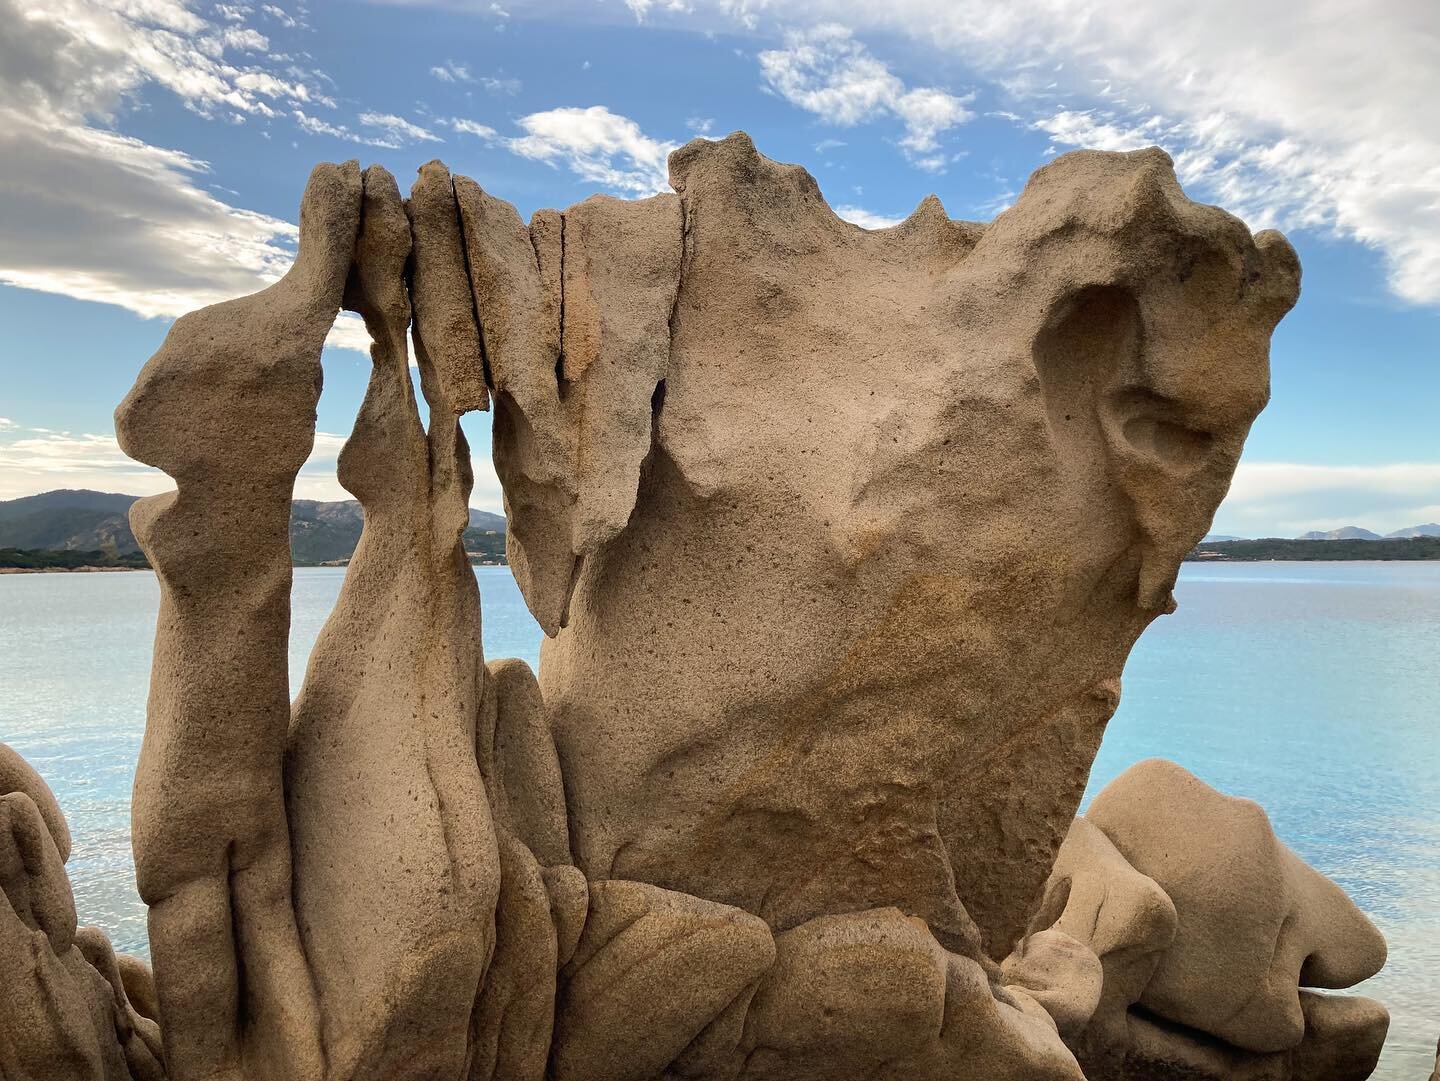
(79, 530)
(1279, 549)
(48, 560)
(82, 530)
(486, 548)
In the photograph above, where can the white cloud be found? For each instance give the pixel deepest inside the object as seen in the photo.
(100, 216)
(398, 129)
(865, 219)
(642, 8)
(1318, 115)
(313, 125)
(452, 72)
(138, 231)
(470, 127)
(826, 71)
(35, 460)
(280, 15)
(1286, 498)
(597, 145)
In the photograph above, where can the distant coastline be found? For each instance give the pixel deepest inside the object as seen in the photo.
(1278, 549)
(80, 530)
(60, 561)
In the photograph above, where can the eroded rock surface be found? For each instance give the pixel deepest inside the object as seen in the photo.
(841, 539)
(1210, 935)
(911, 496)
(65, 1014)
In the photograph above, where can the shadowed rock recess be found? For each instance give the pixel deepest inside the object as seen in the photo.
(839, 538)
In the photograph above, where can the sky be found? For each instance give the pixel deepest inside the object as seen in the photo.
(152, 155)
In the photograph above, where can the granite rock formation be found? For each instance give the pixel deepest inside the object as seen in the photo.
(840, 539)
(67, 1004)
(1212, 950)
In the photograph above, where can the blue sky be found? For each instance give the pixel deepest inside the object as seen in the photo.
(152, 154)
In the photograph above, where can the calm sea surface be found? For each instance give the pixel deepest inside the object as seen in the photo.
(1312, 688)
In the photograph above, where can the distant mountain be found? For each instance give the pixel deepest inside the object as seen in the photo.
(1349, 532)
(85, 521)
(1429, 529)
(1212, 538)
(72, 520)
(483, 519)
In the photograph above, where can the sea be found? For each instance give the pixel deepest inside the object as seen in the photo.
(1312, 688)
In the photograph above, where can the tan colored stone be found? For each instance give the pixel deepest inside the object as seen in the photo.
(227, 408)
(396, 865)
(1060, 973)
(445, 328)
(1123, 919)
(569, 907)
(841, 539)
(574, 314)
(17, 775)
(139, 983)
(64, 1014)
(911, 496)
(653, 969)
(872, 994)
(1254, 923)
(137, 1037)
(1342, 1042)
(1223, 943)
(520, 767)
(515, 1013)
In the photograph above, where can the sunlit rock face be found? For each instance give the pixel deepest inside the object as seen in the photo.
(1213, 942)
(910, 497)
(70, 1009)
(840, 539)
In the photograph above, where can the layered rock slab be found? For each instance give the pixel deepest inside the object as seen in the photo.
(396, 861)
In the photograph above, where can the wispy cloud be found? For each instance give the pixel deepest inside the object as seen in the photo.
(642, 8)
(158, 243)
(826, 71)
(471, 127)
(452, 71)
(1313, 116)
(1288, 498)
(595, 144)
(397, 129)
(1318, 115)
(865, 218)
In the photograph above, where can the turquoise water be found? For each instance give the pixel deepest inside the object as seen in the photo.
(1312, 688)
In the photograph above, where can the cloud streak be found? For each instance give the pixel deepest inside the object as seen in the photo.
(826, 71)
(1289, 498)
(100, 216)
(1319, 116)
(594, 143)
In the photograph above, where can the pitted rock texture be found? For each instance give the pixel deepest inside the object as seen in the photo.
(841, 539)
(65, 1014)
(1209, 936)
(910, 496)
